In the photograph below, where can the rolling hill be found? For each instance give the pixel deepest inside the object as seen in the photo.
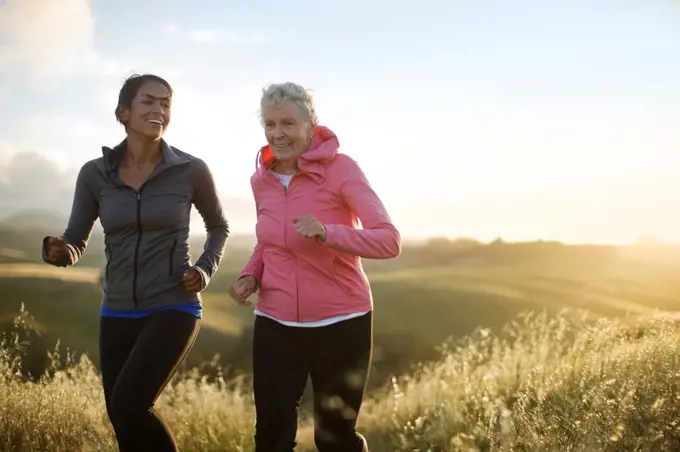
(418, 304)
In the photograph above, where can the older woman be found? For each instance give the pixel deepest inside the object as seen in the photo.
(314, 307)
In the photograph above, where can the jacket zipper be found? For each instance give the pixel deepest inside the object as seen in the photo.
(285, 195)
(139, 241)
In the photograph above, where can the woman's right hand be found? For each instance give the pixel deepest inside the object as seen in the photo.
(242, 288)
(54, 247)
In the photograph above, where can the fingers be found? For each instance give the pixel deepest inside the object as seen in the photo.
(192, 281)
(56, 242)
(195, 287)
(54, 247)
(192, 277)
(241, 290)
(308, 226)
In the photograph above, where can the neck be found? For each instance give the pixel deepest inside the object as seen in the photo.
(142, 152)
(286, 167)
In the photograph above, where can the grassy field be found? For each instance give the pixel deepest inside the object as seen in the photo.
(417, 306)
(549, 383)
(543, 384)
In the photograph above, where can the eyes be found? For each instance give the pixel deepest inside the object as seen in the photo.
(165, 104)
(286, 123)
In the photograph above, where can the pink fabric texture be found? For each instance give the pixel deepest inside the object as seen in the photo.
(299, 279)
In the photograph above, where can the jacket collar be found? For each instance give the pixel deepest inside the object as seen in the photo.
(113, 156)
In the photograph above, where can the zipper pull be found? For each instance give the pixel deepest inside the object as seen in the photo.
(139, 196)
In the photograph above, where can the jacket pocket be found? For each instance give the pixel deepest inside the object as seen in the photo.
(109, 258)
(171, 258)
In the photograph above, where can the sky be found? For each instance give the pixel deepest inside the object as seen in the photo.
(526, 120)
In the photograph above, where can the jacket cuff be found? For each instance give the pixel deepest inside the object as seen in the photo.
(205, 279)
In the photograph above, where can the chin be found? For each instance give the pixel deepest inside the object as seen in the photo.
(284, 156)
(154, 134)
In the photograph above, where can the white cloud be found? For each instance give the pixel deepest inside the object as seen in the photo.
(43, 32)
(91, 63)
(32, 181)
(50, 38)
(213, 36)
(232, 37)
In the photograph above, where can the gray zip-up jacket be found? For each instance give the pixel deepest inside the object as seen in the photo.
(146, 232)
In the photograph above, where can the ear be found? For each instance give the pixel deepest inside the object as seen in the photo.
(123, 114)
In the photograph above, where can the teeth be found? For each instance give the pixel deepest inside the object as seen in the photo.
(282, 145)
(156, 121)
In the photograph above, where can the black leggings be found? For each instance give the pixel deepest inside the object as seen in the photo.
(337, 358)
(138, 357)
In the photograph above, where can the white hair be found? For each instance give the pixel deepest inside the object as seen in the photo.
(278, 93)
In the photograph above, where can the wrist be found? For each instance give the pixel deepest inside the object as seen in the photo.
(322, 238)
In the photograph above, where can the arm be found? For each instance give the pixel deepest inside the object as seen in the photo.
(255, 265)
(378, 239)
(84, 212)
(209, 206)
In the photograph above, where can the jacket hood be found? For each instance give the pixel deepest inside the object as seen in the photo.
(322, 150)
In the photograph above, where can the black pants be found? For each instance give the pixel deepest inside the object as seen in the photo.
(337, 357)
(138, 357)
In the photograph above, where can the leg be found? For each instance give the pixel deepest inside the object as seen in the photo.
(339, 370)
(117, 338)
(163, 343)
(279, 377)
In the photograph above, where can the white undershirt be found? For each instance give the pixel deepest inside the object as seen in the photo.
(285, 180)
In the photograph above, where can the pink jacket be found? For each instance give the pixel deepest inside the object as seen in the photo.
(299, 279)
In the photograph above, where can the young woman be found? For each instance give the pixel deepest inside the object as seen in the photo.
(142, 191)
(314, 307)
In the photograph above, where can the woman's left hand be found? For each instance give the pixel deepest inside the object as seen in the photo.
(309, 226)
(192, 280)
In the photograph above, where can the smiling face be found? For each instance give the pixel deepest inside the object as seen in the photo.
(287, 130)
(149, 112)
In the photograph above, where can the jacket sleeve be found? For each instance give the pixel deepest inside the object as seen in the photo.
(255, 265)
(84, 212)
(378, 239)
(209, 206)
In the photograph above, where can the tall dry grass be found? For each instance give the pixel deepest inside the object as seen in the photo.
(544, 384)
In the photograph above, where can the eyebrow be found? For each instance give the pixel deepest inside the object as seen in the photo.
(283, 119)
(155, 97)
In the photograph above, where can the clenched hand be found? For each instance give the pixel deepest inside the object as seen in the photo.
(192, 280)
(242, 288)
(54, 247)
(309, 226)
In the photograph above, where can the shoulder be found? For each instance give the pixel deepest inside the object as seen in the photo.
(198, 169)
(90, 169)
(258, 178)
(93, 164)
(343, 168)
(189, 158)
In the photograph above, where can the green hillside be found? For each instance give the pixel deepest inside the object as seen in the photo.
(418, 306)
(435, 292)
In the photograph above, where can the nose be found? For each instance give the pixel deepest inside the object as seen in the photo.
(278, 131)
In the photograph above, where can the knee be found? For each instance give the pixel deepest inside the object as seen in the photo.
(336, 431)
(276, 432)
(125, 412)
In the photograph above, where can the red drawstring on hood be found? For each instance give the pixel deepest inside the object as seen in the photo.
(322, 149)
